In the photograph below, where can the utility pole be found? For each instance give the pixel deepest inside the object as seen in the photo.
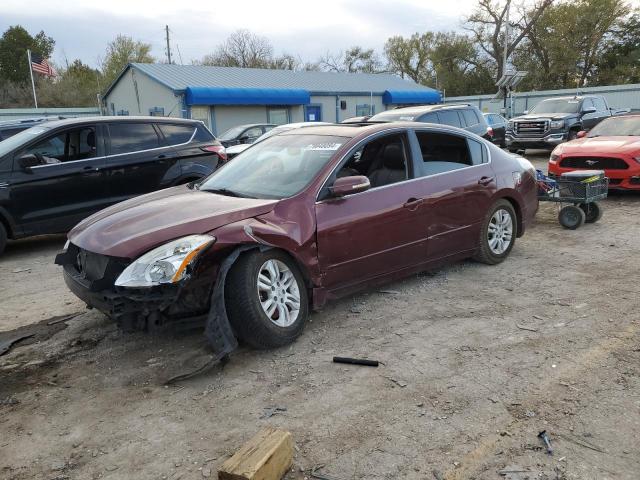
(166, 29)
(505, 58)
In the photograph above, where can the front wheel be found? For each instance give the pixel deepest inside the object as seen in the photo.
(571, 217)
(266, 299)
(498, 234)
(592, 211)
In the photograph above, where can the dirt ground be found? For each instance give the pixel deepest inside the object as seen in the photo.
(476, 361)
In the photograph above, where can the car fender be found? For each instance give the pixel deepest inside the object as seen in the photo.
(13, 230)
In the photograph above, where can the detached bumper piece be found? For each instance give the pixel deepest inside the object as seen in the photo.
(91, 277)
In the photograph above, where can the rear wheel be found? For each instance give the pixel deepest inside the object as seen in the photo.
(266, 299)
(571, 217)
(592, 211)
(3, 238)
(498, 233)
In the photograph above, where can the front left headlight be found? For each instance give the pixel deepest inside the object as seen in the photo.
(557, 124)
(165, 264)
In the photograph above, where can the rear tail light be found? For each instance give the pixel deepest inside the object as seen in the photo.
(490, 131)
(217, 149)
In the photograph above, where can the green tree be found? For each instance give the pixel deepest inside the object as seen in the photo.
(620, 61)
(565, 51)
(120, 52)
(77, 85)
(14, 43)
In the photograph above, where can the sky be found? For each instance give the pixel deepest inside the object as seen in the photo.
(83, 28)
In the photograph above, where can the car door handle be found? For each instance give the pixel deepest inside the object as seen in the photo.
(163, 156)
(485, 181)
(413, 203)
(91, 169)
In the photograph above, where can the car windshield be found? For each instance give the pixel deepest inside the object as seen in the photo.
(232, 133)
(19, 139)
(556, 106)
(277, 167)
(616, 126)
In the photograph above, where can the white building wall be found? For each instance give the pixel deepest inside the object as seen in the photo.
(150, 94)
(328, 103)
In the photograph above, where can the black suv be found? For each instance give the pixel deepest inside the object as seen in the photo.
(57, 173)
(458, 115)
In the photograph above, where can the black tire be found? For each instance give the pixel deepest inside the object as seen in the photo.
(571, 217)
(485, 253)
(592, 211)
(3, 238)
(242, 297)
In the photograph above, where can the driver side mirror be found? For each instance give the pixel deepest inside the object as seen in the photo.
(350, 185)
(588, 110)
(581, 134)
(28, 161)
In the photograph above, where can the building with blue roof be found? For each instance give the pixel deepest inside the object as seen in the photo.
(223, 97)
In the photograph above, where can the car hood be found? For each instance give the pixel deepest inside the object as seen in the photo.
(545, 116)
(609, 145)
(133, 227)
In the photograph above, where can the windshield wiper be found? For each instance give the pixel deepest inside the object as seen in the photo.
(225, 191)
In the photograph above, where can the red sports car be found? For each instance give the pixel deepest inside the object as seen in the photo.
(613, 146)
(301, 217)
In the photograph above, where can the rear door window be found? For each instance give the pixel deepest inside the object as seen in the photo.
(443, 152)
(203, 135)
(176, 134)
(132, 137)
(449, 117)
(477, 152)
(430, 118)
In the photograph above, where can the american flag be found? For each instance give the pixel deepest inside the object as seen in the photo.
(39, 64)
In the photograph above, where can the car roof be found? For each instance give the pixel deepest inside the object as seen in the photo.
(117, 119)
(249, 125)
(362, 129)
(27, 122)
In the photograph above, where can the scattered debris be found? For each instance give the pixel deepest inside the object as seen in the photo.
(523, 327)
(271, 411)
(400, 383)
(356, 361)
(545, 438)
(582, 443)
(266, 456)
(6, 345)
(20, 270)
(320, 476)
(530, 413)
(437, 475)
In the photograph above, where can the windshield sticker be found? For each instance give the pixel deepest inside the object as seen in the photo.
(322, 146)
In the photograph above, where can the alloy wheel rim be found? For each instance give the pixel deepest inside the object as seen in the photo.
(500, 231)
(279, 293)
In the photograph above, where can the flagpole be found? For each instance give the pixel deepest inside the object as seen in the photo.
(33, 85)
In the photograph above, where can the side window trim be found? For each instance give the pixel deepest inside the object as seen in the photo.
(418, 161)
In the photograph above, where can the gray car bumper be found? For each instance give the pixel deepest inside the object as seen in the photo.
(548, 141)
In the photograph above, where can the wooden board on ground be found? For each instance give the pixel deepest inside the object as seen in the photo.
(267, 456)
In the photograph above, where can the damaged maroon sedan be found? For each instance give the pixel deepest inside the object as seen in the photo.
(303, 217)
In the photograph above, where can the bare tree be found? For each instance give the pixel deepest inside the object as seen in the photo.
(487, 23)
(242, 49)
(353, 60)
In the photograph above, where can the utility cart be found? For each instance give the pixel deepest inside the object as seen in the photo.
(576, 194)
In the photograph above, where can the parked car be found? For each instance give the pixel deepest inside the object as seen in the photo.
(8, 128)
(498, 125)
(57, 173)
(556, 120)
(244, 134)
(613, 146)
(237, 149)
(302, 217)
(463, 116)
